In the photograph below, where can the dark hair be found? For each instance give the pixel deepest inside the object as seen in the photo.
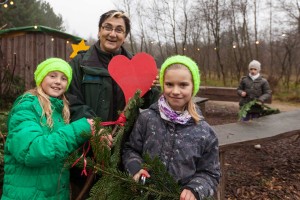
(116, 14)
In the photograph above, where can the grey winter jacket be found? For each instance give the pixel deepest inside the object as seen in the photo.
(190, 152)
(257, 89)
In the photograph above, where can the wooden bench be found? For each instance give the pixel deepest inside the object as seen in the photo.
(271, 127)
(201, 103)
(221, 94)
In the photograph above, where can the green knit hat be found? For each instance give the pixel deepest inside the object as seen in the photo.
(50, 65)
(188, 62)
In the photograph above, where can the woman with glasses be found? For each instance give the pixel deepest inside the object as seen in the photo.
(92, 92)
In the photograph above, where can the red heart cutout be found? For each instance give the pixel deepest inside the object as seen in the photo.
(134, 74)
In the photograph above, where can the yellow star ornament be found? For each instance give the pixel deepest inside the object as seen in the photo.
(78, 47)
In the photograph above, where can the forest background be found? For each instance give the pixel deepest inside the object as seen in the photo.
(222, 36)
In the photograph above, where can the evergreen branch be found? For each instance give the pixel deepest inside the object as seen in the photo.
(265, 110)
(116, 184)
(245, 108)
(136, 190)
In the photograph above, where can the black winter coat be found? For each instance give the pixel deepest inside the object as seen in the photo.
(93, 92)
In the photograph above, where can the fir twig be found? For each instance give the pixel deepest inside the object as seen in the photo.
(265, 110)
(116, 184)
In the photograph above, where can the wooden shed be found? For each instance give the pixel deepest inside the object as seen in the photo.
(23, 48)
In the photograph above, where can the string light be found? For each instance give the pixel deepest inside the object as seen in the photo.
(6, 4)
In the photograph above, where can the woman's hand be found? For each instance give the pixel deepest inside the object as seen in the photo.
(108, 139)
(187, 195)
(156, 82)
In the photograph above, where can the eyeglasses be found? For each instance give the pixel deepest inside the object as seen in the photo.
(110, 28)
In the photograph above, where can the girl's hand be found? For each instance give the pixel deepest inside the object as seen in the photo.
(187, 195)
(91, 122)
(138, 175)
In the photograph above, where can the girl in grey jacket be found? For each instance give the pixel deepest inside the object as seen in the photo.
(174, 130)
(251, 87)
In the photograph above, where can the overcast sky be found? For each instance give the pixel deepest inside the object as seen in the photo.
(81, 17)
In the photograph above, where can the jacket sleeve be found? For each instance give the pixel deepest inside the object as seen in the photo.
(133, 148)
(266, 91)
(240, 88)
(151, 97)
(205, 181)
(30, 145)
(78, 108)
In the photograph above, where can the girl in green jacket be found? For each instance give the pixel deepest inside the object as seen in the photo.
(40, 137)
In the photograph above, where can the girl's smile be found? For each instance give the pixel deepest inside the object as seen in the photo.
(55, 84)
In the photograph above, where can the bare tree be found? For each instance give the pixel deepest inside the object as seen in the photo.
(143, 36)
(171, 16)
(159, 27)
(255, 28)
(126, 5)
(213, 14)
(236, 46)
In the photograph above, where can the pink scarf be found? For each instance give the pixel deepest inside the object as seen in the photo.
(167, 113)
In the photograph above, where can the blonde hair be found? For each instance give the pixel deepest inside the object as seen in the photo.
(191, 106)
(45, 103)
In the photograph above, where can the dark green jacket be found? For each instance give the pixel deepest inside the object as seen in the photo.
(93, 93)
(35, 154)
(258, 89)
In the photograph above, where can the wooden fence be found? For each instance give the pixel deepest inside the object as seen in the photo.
(23, 48)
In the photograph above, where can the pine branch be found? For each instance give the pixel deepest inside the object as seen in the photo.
(245, 108)
(265, 110)
(116, 184)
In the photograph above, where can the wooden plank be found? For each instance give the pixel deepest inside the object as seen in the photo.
(28, 49)
(259, 130)
(221, 94)
(221, 187)
(201, 103)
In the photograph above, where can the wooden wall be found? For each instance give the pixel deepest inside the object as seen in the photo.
(23, 52)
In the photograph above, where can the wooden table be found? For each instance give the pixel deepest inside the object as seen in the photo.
(271, 127)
